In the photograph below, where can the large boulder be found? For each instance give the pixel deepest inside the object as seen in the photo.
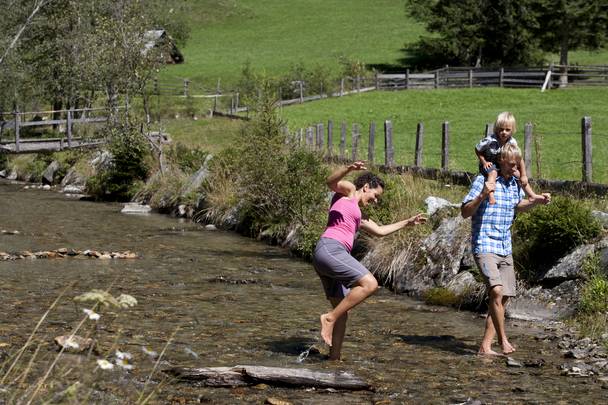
(73, 182)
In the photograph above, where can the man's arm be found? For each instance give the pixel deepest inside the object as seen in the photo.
(525, 204)
(468, 209)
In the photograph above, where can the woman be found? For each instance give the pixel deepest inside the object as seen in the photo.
(346, 281)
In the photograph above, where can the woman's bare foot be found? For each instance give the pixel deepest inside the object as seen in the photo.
(507, 348)
(327, 328)
(487, 352)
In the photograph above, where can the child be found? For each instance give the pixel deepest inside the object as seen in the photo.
(488, 153)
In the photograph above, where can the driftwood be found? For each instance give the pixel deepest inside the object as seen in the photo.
(252, 375)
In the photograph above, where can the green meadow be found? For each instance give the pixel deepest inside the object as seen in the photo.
(556, 117)
(274, 35)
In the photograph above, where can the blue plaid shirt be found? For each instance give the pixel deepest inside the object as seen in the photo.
(491, 226)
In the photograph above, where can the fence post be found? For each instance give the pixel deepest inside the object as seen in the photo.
(330, 138)
(355, 141)
(341, 87)
(372, 142)
(436, 79)
(17, 122)
(300, 136)
(501, 78)
(186, 84)
(470, 78)
(320, 133)
(236, 102)
(309, 138)
(68, 128)
(587, 150)
(528, 148)
(407, 79)
(358, 84)
(419, 144)
(389, 153)
(377, 81)
(445, 145)
(343, 141)
(489, 129)
(301, 91)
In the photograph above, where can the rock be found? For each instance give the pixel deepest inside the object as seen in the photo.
(462, 283)
(102, 160)
(73, 182)
(3, 173)
(276, 401)
(568, 267)
(434, 204)
(576, 353)
(210, 227)
(136, 208)
(48, 175)
(534, 363)
(194, 182)
(511, 362)
(75, 344)
(602, 217)
(12, 175)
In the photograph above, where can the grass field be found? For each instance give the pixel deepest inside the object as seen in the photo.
(556, 116)
(276, 34)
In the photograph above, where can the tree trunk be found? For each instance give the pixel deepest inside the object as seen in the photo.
(253, 375)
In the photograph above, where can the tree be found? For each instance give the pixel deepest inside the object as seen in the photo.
(571, 24)
(475, 32)
(507, 32)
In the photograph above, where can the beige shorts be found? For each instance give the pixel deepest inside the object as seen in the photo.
(497, 270)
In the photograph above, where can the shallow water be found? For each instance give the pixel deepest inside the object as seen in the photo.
(225, 300)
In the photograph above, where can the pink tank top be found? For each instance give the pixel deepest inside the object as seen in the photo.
(344, 220)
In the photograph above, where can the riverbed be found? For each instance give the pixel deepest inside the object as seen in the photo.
(213, 298)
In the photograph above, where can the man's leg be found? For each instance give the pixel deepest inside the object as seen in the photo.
(365, 287)
(495, 323)
(339, 331)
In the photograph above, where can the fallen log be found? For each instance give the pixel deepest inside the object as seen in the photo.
(253, 375)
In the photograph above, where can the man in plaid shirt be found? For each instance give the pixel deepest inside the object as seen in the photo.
(491, 240)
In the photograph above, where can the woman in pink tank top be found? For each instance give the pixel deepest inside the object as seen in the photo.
(347, 282)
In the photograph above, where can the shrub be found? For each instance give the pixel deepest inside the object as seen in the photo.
(594, 294)
(121, 180)
(187, 159)
(545, 234)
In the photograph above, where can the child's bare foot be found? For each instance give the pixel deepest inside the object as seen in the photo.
(327, 328)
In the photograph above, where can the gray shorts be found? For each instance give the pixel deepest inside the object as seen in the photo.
(338, 270)
(497, 270)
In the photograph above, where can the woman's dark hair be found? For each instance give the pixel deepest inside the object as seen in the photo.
(370, 179)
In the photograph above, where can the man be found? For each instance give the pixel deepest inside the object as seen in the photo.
(491, 240)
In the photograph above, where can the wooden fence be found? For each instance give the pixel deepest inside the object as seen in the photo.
(18, 143)
(321, 138)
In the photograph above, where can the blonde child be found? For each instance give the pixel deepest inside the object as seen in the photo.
(488, 152)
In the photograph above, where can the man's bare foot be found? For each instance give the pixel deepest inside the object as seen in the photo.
(487, 352)
(327, 328)
(507, 348)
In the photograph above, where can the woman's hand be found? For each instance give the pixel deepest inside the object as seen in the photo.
(358, 165)
(417, 219)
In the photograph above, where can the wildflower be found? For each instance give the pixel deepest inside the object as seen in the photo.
(124, 363)
(94, 316)
(104, 364)
(149, 352)
(123, 355)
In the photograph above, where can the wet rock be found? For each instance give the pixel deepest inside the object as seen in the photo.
(462, 282)
(276, 401)
(511, 362)
(5, 232)
(136, 208)
(74, 344)
(210, 227)
(73, 182)
(534, 363)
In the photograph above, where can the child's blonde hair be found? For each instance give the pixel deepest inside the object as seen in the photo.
(509, 151)
(505, 118)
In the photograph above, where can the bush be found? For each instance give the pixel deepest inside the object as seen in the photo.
(545, 234)
(129, 168)
(187, 159)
